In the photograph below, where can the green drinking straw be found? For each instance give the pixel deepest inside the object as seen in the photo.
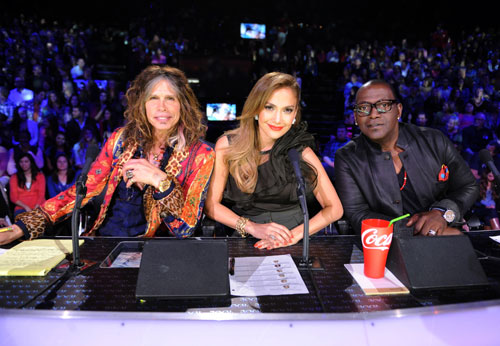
(398, 218)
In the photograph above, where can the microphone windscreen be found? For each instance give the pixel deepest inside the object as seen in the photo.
(293, 155)
(485, 155)
(92, 152)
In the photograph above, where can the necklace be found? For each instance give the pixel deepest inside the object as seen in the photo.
(157, 157)
(404, 182)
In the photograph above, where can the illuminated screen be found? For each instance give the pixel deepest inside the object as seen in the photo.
(221, 111)
(82, 83)
(253, 31)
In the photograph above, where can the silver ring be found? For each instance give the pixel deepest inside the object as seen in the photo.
(129, 174)
(272, 237)
(432, 232)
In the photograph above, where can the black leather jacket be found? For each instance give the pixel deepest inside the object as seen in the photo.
(367, 184)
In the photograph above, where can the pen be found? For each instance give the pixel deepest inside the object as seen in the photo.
(231, 266)
(6, 229)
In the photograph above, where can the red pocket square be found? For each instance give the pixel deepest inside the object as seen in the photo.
(444, 173)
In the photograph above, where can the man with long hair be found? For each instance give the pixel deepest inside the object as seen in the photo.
(154, 171)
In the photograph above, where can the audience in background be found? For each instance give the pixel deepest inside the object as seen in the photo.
(48, 75)
(80, 120)
(52, 107)
(328, 154)
(20, 123)
(63, 176)
(4, 158)
(453, 132)
(24, 147)
(27, 185)
(485, 208)
(20, 95)
(6, 105)
(474, 138)
(87, 137)
(58, 147)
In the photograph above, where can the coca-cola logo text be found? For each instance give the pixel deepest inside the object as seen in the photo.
(371, 240)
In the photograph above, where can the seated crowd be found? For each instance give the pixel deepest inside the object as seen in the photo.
(52, 106)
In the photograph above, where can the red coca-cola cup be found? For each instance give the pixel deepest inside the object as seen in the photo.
(376, 237)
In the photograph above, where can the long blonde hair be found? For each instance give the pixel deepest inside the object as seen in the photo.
(244, 157)
(190, 127)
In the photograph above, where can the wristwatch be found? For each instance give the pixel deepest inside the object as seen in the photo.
(164, 185)
(448, 214)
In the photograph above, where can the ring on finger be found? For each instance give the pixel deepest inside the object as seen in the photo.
(272, 237)
(432, 232)
(129, 174)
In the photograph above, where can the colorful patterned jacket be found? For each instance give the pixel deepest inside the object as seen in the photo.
(180, 210)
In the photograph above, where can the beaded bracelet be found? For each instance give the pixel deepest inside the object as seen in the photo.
(240, 226)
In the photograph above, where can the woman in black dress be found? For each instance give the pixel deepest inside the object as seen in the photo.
(253, 188)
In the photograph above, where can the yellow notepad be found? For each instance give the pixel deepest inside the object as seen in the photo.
(35, 257)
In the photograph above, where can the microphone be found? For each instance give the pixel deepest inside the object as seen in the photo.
(90, 156)
(80, 193)
(304, 262)
(293, 155)
(485, 157)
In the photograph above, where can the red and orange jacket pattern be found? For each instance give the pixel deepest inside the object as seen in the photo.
(180, 210)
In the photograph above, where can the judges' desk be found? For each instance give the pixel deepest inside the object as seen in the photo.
(100, 305)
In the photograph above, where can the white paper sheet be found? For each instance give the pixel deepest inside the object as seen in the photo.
(389, 284)
(127, 260)
(266, 275)
(496, 238)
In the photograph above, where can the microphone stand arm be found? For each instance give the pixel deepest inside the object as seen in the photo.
(496, 184)
(81, 192)
(304, 262)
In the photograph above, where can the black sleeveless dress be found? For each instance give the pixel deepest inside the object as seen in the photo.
(275, 196)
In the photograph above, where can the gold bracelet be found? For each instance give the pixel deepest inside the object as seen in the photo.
(240, 226)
